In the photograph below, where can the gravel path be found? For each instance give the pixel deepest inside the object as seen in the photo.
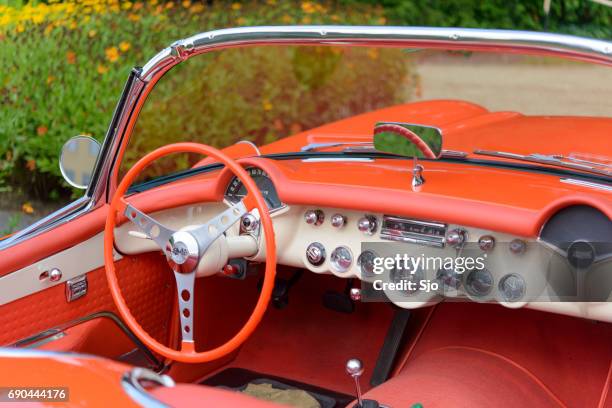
(526, 88)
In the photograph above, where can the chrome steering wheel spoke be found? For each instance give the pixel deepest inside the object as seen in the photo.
(207, 233)
(185, 283)
(159, 233)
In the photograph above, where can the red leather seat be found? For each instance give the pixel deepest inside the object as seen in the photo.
(464, 377)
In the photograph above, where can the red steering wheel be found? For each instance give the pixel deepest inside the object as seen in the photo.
(184, 249)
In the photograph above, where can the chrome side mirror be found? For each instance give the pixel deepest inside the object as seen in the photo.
(407, 139)
(77, 160)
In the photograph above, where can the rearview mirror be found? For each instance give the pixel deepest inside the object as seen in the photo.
(408, 139)
(77, 160)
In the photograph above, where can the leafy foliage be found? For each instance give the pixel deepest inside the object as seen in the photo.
(64, 65)
(580, 17)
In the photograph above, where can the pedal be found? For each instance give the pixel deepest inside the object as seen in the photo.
(280, 293)
(340, 302)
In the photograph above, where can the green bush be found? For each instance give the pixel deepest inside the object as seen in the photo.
(64, 65)
(579, 17)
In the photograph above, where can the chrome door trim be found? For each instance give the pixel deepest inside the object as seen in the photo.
(43, 337)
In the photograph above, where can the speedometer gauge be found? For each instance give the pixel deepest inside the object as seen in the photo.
(236, 190)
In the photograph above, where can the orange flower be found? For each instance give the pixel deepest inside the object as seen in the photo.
(236, 6)
(50, 79)
(133, 17)
(71, 57)
(27, 208)
(102, 69)
(124, 46)
(112, 54)
(31, 164)
(41, 130)
(196, 8)
(186, 3)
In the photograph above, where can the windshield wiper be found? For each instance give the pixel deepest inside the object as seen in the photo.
(316, 146)
(368, 147)
(553, 159)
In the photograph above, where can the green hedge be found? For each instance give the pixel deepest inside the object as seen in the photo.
(63, 66)
(579, 17)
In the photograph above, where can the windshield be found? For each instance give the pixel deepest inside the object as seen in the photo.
(266, 94)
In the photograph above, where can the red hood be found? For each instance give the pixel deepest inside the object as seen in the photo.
(467, 127)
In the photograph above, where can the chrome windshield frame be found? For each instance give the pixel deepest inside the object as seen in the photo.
(142, 81)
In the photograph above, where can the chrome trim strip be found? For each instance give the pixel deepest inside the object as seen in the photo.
(544, 159)
(253, 145)
(577, 47)
(37, 339)
(588, 184)
(337, 159)
(70, 211)
(131, 385)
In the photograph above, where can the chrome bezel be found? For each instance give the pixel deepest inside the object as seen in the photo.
(502, 292)
(334, 264)
(471, 292)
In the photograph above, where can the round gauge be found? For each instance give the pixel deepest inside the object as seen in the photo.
(341, 259)
(479, 282)
(410, 278)
(236, 190)
(366, 263)
(449, 279)
(512, 287)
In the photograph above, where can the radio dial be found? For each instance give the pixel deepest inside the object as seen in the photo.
(456, 237)
(338, 220)
(486, 242)
(367, 225)
(315, 253)
(314, 217)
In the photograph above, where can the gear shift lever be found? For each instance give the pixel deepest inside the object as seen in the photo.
(354, 368)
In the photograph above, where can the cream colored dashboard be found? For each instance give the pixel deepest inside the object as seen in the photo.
(532, 264)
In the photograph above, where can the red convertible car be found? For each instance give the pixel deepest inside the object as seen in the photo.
(321, 216)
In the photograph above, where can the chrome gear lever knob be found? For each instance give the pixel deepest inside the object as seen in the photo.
(354, 368)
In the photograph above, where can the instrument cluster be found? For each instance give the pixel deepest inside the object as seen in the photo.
(351, 244)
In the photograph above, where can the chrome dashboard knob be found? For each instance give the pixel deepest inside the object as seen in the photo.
(517, 246)
(315, 253)
(367, 224)
(249, 222)
(55, 275)
(314, 217)
(338, 220)
(456, 237)
(486, 242)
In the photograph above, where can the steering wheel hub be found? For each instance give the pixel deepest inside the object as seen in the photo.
(183, 252)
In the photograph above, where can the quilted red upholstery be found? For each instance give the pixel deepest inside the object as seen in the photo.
(147, 284)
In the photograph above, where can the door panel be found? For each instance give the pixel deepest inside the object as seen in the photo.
(53, 241)
(147, 284)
